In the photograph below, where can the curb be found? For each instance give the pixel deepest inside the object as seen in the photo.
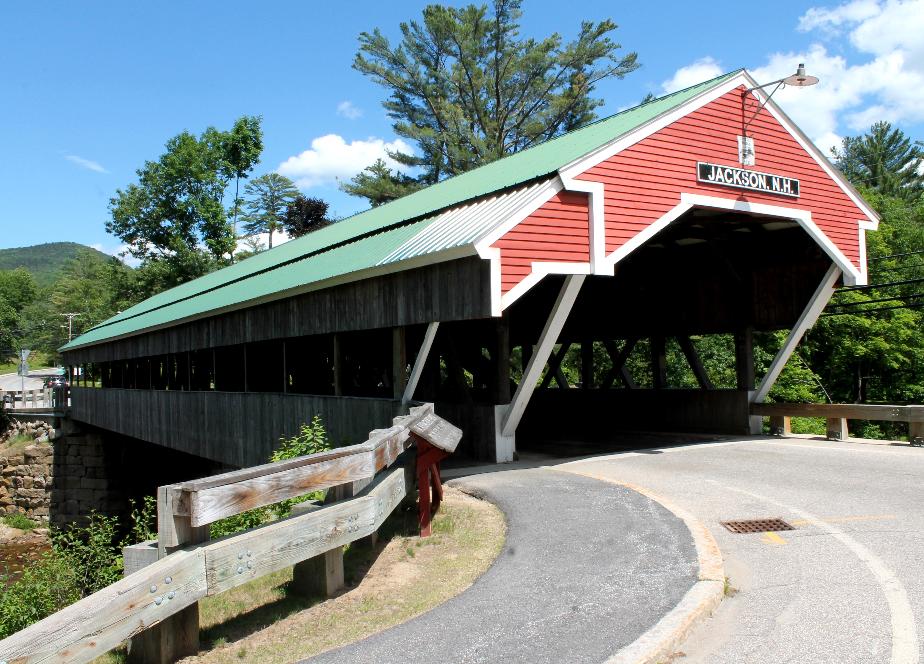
(663, 639)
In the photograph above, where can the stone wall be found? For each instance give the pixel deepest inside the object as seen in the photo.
(86, 480)
(25, 481)
(71, 470)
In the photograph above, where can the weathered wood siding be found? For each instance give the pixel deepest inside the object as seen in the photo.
(234, 428)
(559, 231)
(454, 290)
(644, 181)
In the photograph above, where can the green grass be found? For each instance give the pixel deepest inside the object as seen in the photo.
(15, 445)
(19, 521)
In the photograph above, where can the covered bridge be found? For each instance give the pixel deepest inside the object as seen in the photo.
(640, 230)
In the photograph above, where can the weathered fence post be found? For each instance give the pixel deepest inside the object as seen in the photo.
(323, 574)
(916, 433)
(177, 636)
(837, 428)
(780, 425)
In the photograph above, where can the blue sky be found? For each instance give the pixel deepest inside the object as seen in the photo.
(92, 89)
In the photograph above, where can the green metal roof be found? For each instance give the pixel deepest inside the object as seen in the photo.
(361, 241)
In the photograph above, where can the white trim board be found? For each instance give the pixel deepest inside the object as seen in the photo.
(688, 201)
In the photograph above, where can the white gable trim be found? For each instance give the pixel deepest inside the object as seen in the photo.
(780, 116)
(483, 243)
(595, 193)
(539, 270)
(642, 132)
(852, 276)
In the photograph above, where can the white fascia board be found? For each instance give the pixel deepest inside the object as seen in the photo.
(617, 145)
(816, 154)
(596, 195)
(539, 270)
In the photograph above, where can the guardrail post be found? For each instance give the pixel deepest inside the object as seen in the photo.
(323, 574)
(177, 636)
(916, 433)
(780, 425)
(837, 428)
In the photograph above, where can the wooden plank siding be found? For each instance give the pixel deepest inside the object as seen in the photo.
(643, 182)
(452, 290)
(559, 231)
(234, 428)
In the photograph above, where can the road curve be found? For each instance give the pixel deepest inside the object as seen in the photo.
(845, 586)
(587, 568)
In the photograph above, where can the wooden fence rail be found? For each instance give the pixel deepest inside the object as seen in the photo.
(42, 398)
(174, 583)
(837, 415)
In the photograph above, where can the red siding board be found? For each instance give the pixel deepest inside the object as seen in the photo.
(559, 231)
(644, 182)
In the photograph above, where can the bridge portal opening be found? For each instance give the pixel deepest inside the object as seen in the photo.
(648, 349)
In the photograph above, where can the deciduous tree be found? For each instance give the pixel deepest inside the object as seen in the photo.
(305, 215)
(176, 207)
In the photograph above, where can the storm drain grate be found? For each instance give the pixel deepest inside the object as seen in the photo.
(757, 526)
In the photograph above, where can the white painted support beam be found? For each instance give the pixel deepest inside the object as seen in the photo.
(814, 308)
(547, 340)
(419, 363)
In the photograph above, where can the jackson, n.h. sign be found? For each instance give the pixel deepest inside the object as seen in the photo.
(741, 178)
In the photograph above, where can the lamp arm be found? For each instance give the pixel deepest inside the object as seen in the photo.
(747, 123)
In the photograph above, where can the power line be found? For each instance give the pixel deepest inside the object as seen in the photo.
(882, 258)
(873, 311)
(901, 268)
(884, 299)
(904, 282)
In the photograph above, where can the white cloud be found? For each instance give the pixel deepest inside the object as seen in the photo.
(120, 252)
(697, 72)
(833, 19)
(331, 158)
(882, 80)
(279, 237)
(89, 164)
(348, 110)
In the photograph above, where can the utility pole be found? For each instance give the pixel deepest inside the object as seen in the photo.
(70, 325)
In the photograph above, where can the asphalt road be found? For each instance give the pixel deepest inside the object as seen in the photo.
(13, 383)
(847, 585)
(588, 566)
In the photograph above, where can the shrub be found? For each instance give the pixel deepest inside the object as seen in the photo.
(310, 439)
(48, 585)
(238, 523)
(144, 520)
(93, 552)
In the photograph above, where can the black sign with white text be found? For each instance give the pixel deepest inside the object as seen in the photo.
(741, 178)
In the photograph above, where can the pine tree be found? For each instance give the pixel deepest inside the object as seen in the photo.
(884, 159)
(268, 196)
(467, 89)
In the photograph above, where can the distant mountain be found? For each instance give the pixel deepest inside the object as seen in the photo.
(44, 261)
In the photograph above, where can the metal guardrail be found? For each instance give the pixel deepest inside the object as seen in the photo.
(837, 415)
(189, 570)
